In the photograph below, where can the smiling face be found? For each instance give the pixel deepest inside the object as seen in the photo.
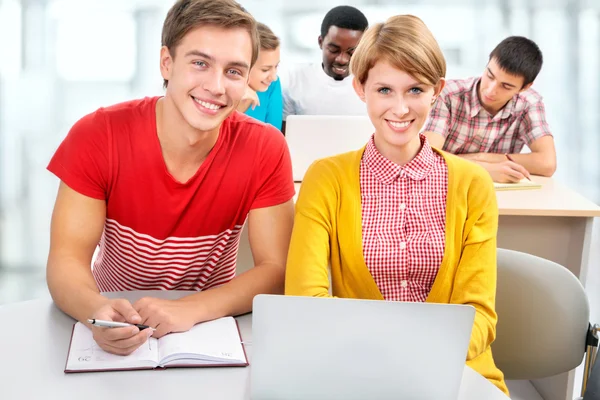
(265, 70)
(497, 87)
(207, 73)
(338, 46)
(398, 106)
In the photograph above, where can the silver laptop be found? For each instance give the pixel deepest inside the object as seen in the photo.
(323, 348)
(312, 137)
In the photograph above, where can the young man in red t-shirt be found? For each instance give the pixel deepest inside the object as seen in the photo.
(164, 185)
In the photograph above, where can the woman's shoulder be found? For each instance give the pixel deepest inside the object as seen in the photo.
(340, 166)
(330, 179)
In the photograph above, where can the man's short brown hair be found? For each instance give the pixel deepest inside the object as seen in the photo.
(186, 15)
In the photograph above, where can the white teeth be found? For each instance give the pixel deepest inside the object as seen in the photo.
(399, 124)
(210, 106)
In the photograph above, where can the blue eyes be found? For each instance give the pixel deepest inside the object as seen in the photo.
(386, 90)
(202, 64)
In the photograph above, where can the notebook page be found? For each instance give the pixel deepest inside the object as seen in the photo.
(521, 185)
(215, 341)
(85, 354)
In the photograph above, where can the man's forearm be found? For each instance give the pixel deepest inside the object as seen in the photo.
(73, 288)
(235, 297)
(536, 163)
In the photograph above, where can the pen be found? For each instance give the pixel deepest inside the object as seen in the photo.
(510, 159)
(113, 324)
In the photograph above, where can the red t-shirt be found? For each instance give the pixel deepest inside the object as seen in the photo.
(160, 233)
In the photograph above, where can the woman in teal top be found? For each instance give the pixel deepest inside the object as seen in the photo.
(263, 99)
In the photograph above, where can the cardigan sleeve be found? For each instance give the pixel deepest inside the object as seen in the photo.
(475, 280)
(309, 253)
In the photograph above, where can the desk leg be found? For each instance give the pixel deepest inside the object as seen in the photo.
(564, 240)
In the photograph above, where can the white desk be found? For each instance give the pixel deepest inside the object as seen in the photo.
(34, 347)
(555, 223)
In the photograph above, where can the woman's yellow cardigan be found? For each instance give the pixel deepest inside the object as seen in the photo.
(328, 230)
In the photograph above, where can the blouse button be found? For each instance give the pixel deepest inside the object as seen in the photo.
(404, 283)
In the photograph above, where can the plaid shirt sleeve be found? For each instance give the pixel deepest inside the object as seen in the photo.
(439, 116)
(534, 125)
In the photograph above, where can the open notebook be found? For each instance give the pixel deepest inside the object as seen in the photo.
(210, 344)
(523, 184)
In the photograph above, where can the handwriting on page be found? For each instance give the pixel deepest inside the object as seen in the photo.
(94, 353)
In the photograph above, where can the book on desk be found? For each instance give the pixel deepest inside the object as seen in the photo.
(210, 344)
(523, 184)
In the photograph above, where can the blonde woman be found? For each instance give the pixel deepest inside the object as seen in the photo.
(263, 99)
(398, 220)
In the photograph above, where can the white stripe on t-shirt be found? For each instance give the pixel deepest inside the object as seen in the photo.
(129, 260)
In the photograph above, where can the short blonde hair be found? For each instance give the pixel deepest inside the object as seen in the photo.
(406, 43)
(268, 40)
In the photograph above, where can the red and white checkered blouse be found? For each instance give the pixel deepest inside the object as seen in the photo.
(403, 221)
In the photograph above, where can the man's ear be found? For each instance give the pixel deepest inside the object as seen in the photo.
(166, 63)
(320, 42)
(359, 88)
(524, 88)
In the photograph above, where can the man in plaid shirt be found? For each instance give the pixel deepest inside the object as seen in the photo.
(489, 119)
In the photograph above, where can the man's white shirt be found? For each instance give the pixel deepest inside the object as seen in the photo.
(308, 90)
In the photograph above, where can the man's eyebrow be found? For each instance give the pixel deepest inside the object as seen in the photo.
(503, 83)
(239, 64)
(196, 53)
(333, 45)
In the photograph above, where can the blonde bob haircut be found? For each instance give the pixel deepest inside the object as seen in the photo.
(406, 43)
